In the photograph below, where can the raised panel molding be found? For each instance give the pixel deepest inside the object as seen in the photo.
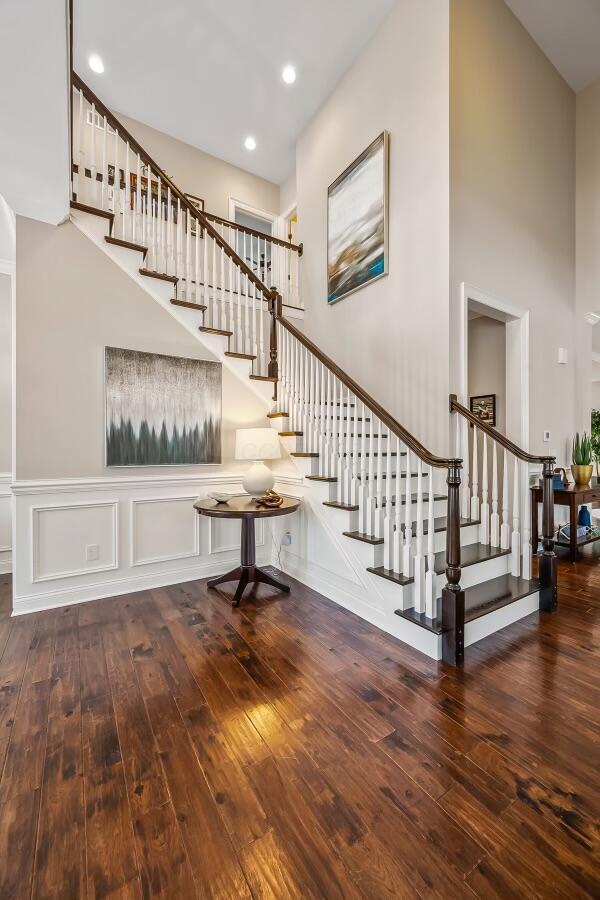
(136, 551)
(38, 513)
(5, 522)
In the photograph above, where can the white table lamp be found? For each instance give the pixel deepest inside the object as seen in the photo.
(257, 444)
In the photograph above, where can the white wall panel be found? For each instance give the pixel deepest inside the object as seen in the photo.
(61, 535)
(164, 528)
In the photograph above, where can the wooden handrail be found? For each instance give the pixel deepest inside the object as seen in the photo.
(169, 183)
(254, 232)
(455, 406)
(437, 461)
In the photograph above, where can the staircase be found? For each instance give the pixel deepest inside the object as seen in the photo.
(443, 544)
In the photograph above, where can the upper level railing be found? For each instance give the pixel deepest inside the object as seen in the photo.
(274, 260)
(148, 209)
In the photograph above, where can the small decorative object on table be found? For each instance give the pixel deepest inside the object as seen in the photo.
(582, 468)
(271, 500)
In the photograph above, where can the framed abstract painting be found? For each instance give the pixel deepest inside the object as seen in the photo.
(357, 213)
(161, 410)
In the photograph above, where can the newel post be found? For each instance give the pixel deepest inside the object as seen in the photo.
(275, 310)
(453, 597)
(548, 582)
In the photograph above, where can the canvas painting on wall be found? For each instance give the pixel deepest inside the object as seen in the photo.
(484, 406)
(161, 410)
(357, 201)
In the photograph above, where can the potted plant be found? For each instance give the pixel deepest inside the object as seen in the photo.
(582, 468)
(596, 439)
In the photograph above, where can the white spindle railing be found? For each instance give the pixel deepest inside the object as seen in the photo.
(110, 174)
(374, 470)
(504, 524)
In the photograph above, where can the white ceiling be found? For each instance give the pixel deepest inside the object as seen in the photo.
(209, 71)
(568, 31)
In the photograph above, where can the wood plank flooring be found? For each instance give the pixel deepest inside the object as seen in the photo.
(161, 744)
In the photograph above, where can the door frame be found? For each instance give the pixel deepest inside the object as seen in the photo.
(517, 345)
(275, 219)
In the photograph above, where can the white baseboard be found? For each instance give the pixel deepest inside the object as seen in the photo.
(5, 562)
(114, 588)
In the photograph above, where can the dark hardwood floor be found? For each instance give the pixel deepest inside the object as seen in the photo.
(160, 744)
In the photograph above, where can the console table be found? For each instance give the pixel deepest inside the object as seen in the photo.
(573, 496)
(245, 508)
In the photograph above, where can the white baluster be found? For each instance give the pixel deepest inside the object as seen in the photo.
(505, 528)
(137, 236)
(463, 453)
(104, 183)
(419, 561)
(93, 171)
(116, 184)
(78, 177)
(526, 543)
(397, 517)
(430, 576)
(126, 195)
(407, 550)
(363, 490)
(354, 459)
(475, 479)
(388, 532)
(370, 525)
(484, 527)
(495, 520)
(515, 563)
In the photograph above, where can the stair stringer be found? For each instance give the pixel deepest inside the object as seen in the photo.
(130, 261)
(382, 613)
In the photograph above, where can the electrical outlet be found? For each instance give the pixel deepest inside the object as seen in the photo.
(92, 552)
(546, 436)
(286, 539)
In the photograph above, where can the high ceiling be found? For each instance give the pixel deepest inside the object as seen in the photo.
(209, 71)
(568, 31)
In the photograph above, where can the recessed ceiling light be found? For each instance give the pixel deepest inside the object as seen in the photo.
(96, 64)
(250, 143)
(289, 74)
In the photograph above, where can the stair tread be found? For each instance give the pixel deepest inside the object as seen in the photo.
(413, 498)
(290, 433)
(304, 454)
(270, 378)
(206, 329)
(396, 577)
(278, 415)
(394, 475)
(162, 276)
(384, 454)
(469, 556)
(433, 625)
(351, 507)
(94, 210)
(365, 538)
(487, 597)
(129, 245)
(329, 478)
(238, 355)
(440, 524)
(188, 304)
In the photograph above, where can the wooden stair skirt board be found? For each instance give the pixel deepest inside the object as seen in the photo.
(129, 245)
(480, 600)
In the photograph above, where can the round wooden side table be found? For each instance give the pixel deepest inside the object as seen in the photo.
(245, 508)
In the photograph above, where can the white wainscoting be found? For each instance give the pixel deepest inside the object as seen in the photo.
(81, 539)
(5, 523)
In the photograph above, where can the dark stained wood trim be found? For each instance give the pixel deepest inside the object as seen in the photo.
(254, 232)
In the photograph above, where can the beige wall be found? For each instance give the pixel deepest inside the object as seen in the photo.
(487, 363)
(391, 336)
(512, 210)
(72, 301)
(5, 374)
(206, 176)
(588, 242)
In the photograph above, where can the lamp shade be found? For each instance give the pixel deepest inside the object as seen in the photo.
(257, 443)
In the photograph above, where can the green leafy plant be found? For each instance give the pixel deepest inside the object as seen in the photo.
(596, 436)
(582, 450)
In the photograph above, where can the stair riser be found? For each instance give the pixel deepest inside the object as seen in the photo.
(96, 226)
(342, 519)
(366, 554)
(477, 573)
(494, 621)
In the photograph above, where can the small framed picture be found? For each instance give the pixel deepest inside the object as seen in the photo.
(484, 407)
